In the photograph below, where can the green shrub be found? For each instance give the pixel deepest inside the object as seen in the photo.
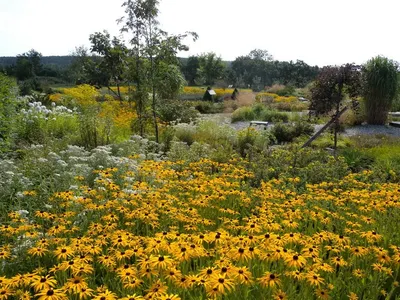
(206, 107)
(286, 91)
(177, 110)
(288, 132)
(356, 159)
(308, 165)
(215, 134)
(244, 113)
(8, 96)
(259, 112)
(275, 88)
(246, 139)
(283, 133)
(273, 116)
(182, 152)
(257, 140)
(185, 133)
(289, 106)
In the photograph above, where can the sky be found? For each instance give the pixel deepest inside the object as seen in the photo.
(319, 32)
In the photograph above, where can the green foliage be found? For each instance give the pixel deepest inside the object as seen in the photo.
(181, 151)
(253, 139)
(170, 81)
(308, 165)
(288, 90)
(380, 88)
(288, 132)
(295, 106)
(273, 116)
(259, 112)
(8, 94)
(109, 68)
(396, 101)
(36, 124)
(191, 68)
(211, 68)
(357, 160)
(258, 69)
(28, 65)
(207, 132)
(244, 113)
(206, 107)
(177, 110)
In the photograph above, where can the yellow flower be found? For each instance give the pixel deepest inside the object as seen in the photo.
(295, 260)
(322, 294)
(170, 297)
(270, 280)
(41, 283)
(50, 294)
(221, 283)
(63, 252)
(76, 285)
(105, 295)
(352, 296)
(132, 297)
(314, 278)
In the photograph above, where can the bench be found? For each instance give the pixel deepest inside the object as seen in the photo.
(395, 124)
(262, 123)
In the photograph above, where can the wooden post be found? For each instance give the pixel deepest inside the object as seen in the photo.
(333, 120)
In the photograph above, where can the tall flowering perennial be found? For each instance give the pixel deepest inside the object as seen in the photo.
(179, 230)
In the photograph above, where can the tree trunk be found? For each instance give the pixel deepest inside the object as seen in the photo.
(138, 84)
(153, 87)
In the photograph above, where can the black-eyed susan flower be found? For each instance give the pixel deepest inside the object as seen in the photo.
(75, 285)
(43, 282)
(314, 279)
(132, 297)
(270, 280)
(322, 294)
(51, 294)
(221, 283)
(295, 260)
(63, 252)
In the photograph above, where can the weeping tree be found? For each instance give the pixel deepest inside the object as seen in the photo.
(379, 88)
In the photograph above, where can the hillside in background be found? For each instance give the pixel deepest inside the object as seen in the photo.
(62, 61)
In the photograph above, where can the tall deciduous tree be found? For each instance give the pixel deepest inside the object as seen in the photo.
(380, 88)
(110, 68)
(190, 69)
(28, 65)
(138, 13)
(211, 68)
(154, 52)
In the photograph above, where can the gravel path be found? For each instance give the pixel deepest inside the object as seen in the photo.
(225, 118)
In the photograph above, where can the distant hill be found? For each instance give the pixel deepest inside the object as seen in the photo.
(61, 61)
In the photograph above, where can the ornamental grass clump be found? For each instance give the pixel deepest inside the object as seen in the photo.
(380, 79)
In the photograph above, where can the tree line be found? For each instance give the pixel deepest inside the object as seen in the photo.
(93, 65)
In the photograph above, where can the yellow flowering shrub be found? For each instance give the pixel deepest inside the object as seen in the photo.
(262, 97)
(84, 94)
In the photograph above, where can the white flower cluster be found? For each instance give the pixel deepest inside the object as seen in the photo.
(38, 110)
(41, 169)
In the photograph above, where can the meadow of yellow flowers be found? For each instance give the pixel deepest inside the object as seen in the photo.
(174, 230)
